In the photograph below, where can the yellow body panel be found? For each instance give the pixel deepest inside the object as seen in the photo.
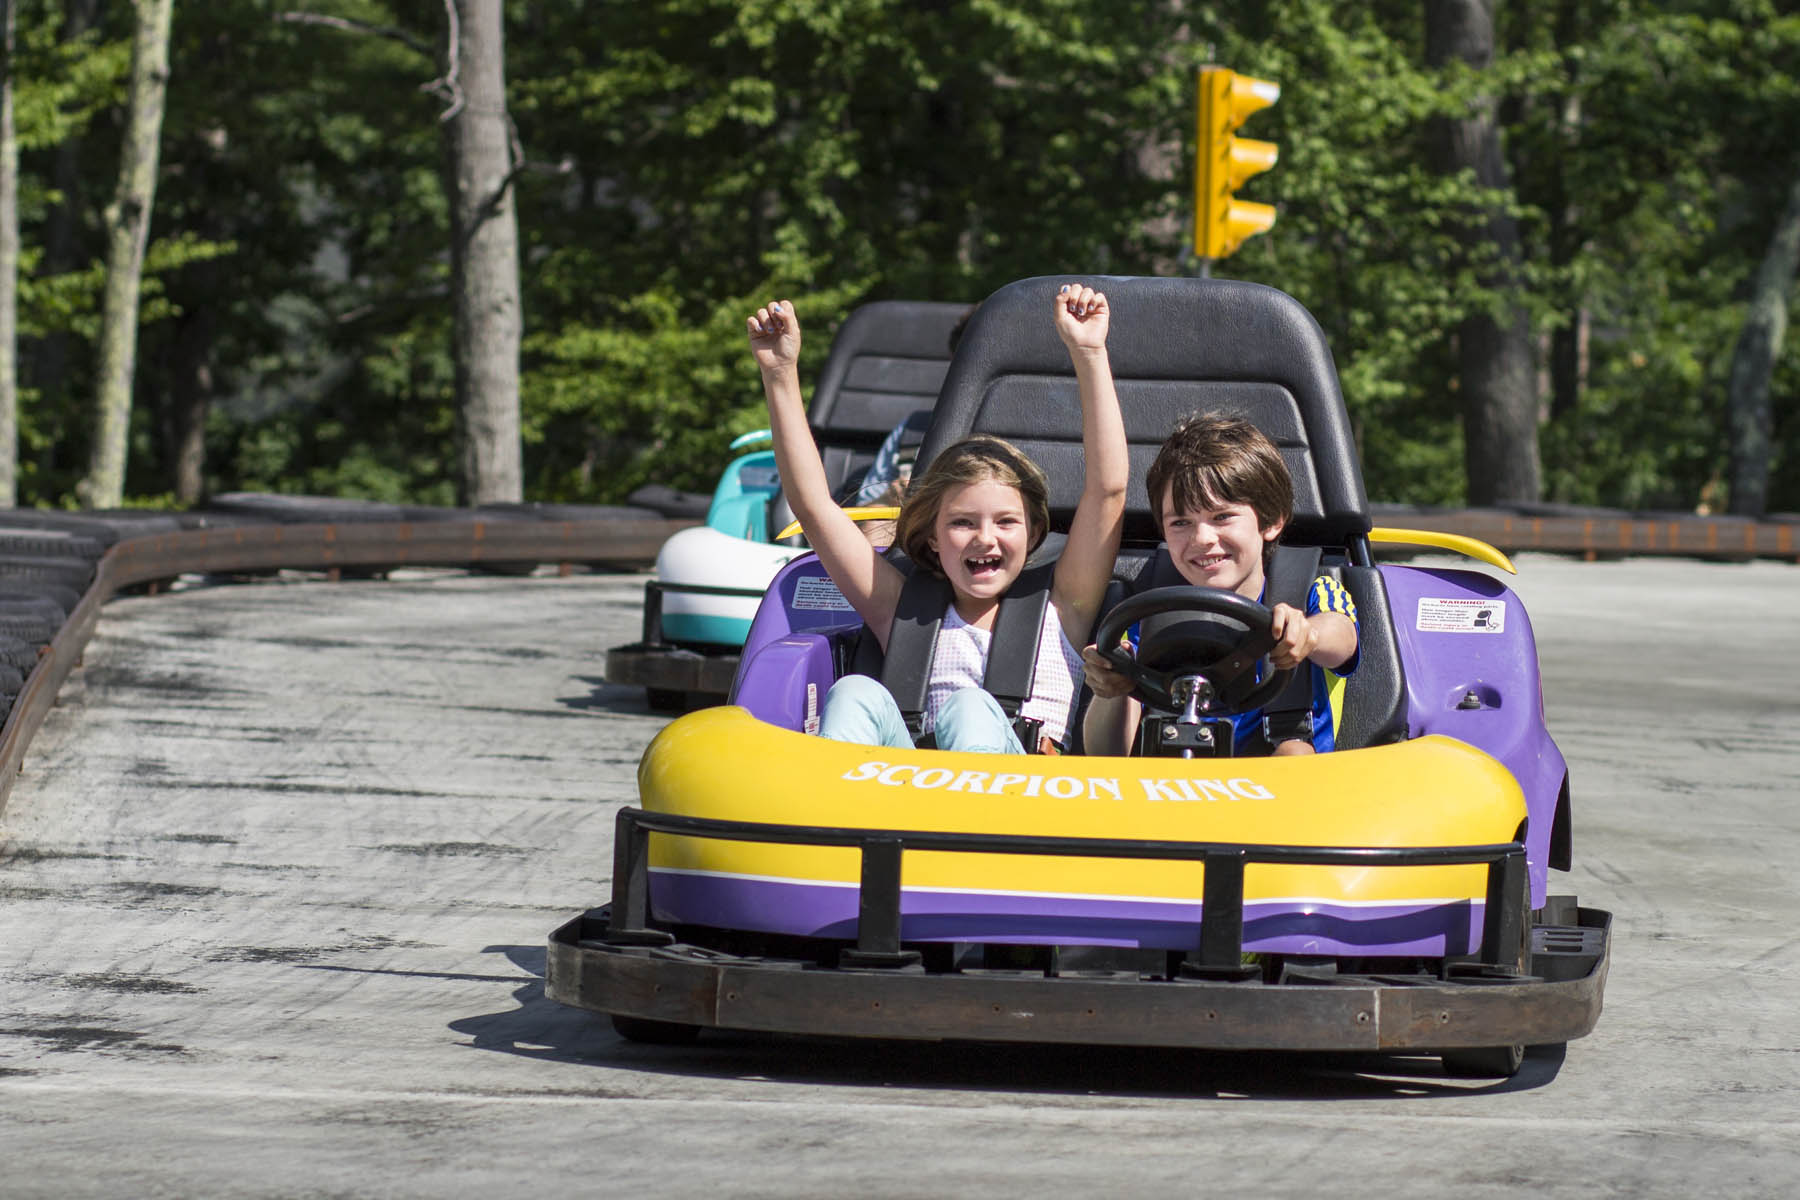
(724, 764)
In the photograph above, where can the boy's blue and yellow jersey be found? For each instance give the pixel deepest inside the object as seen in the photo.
(1325, 595)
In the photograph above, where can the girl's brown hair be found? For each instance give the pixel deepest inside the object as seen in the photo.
(972, 460)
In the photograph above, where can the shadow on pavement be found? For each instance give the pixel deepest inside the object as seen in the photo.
(540, 1028)
(610, 697)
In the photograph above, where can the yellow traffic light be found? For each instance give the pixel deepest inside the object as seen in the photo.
(1223, 162)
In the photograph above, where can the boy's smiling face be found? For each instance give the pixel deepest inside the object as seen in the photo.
(1217, 545)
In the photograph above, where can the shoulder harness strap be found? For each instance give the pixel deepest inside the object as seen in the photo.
(1291, 572)
(1012, 652)
(1012, 655)
(912, 641)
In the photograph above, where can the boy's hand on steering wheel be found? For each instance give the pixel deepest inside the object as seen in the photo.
(1295, 637)
(1102, 680)
(775, 335)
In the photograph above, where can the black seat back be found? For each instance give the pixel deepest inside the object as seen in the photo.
(887, 362)
(1177, 346)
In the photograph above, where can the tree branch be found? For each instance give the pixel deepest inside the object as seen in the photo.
(444, 86)
(447, 86)
(344, 23)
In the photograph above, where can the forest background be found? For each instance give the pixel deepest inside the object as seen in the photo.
(676, 162)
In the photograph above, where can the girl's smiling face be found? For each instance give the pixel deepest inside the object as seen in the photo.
(1218, 545)
(982, 538)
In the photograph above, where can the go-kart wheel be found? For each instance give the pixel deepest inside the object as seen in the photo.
(665, 700)
(1225, 658)
(1498, 1062)
(654, 1033)
(1482, 1062)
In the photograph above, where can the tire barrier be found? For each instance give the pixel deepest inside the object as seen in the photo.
(58, 569)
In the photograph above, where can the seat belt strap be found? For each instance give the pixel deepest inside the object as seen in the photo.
(1291, 572)
(912, 642)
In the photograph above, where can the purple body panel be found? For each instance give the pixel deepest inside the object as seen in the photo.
(1449, 649)
(787, 650)
(1444, 665)
(826, 910)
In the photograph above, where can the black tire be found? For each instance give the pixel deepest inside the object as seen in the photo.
(35, 630)
(666, 700)
(103, 532)
(14, 653)
(655, 1033)
(140, 522)
(1483, 1062)
(540, 511)
(62, 572)
(46, 543)
(305, 510)
(19, 602)
(1498, 1062)
(12, 681)
(668, 502)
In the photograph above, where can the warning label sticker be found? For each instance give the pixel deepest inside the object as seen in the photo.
(1461, 616)
(816, 593)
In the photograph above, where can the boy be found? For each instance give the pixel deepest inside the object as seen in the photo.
(1221, 496)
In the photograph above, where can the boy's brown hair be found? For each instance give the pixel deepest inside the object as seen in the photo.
(1215, 459)
(971, 460)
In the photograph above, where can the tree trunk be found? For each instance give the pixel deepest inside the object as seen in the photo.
(484, 258)
(1498, 377)
(1747, 403)
(9, 270)
(190, 397)
(128, 231)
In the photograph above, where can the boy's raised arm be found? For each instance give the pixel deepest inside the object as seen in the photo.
(1082, 321)
(869, 583)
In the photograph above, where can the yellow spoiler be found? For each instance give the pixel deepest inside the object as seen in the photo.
(1470, 547)
(887, 513)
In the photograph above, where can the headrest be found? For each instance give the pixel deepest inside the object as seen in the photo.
(888, 360)
(1177, 346)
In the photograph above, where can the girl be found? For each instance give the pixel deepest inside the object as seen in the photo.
(972, 516)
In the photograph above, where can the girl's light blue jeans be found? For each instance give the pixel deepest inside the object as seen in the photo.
(858, 709)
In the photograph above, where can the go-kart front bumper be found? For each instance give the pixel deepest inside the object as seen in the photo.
(613, 961)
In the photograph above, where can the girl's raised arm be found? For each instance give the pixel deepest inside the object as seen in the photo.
(869, 582)
(1082, 320)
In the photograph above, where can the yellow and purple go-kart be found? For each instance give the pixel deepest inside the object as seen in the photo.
(1391, 895)
(886, 365)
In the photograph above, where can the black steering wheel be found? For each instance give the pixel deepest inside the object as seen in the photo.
(1223, 653)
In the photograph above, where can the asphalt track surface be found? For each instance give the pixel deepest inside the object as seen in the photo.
(275, 884)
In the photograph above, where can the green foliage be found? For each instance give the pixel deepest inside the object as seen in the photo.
(718, 153)
(61, 85)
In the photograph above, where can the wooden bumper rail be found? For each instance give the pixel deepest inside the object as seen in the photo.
(1601, 536)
